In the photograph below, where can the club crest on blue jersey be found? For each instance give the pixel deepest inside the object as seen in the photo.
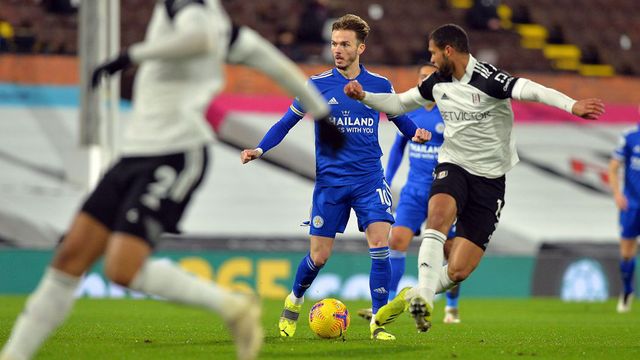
(318, 221)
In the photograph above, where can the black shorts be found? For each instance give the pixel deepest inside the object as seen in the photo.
(479, 201)
(146, 196)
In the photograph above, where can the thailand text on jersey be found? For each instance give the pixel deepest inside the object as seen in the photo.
(477, 113)
(359, 159)
(628, 153)
(423, 158)
(170, 96)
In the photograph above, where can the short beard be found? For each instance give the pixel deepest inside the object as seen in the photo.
(343, 67)
(446, 69)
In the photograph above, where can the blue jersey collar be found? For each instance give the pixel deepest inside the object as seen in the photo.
(339, 75)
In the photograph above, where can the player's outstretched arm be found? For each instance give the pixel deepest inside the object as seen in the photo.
(390, 103)
(525, 89)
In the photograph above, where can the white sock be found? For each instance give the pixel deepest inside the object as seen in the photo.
(445, 283)
(45, 310)
(296, 300)
(430, 260)
(163, 278)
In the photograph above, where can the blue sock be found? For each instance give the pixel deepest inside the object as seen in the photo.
(627, 267)
(452, 296)
(307, 272)
(379, 277)
(398, 260)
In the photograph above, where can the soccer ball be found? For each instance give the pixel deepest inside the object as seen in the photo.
(329, 318)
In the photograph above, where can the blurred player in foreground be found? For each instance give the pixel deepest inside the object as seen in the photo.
(353, 179)
(627, 157)
(164, 160)
(474, 100)
(411, 211)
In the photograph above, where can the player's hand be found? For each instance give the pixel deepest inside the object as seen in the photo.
(250, 154)
(421, 136)
(621, 201)
(329, 134)
(109, 68)
(354, 90)
(589, 109)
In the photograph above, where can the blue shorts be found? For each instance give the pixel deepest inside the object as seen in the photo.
(332, 206)
(412, 208)
(630, 223)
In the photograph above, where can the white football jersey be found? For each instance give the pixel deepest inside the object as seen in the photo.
(170, 95)
(478, 118)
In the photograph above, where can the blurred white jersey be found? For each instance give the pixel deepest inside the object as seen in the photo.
(477, 113)
(170, 95)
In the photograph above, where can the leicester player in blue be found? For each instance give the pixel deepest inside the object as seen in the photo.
(351, 178)
(627, 156)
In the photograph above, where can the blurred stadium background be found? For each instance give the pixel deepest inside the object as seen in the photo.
(558, 232)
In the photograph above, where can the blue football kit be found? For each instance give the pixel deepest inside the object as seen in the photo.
(628, 153)
(351, 178)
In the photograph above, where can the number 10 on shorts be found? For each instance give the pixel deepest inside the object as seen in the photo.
(385, 196)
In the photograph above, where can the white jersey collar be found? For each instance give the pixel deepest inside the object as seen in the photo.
(468, 71)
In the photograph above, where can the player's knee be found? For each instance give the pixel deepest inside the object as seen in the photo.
(375, 242)
(439, 221)
(399, 244)
(117, 274)
(320, 258)
(458, 274)
(69, 260)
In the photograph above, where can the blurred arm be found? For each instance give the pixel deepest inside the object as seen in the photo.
(253, 50)
(191, 37)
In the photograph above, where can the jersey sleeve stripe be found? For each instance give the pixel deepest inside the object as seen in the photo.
(322, 75)
(296, 111)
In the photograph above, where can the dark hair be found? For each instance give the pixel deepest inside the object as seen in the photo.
(452, 35)
(353, 23)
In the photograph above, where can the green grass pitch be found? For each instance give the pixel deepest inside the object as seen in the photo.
(490, 329)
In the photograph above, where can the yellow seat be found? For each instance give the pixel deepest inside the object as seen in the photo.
(563, 56)
(596, 70)
(532, 36)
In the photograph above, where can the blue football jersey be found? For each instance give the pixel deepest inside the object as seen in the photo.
(628, 152)
(423, 158)
(359, 159)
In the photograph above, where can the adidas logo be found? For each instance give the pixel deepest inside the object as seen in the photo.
(380, 290)
(333, 101)
(444, 97)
